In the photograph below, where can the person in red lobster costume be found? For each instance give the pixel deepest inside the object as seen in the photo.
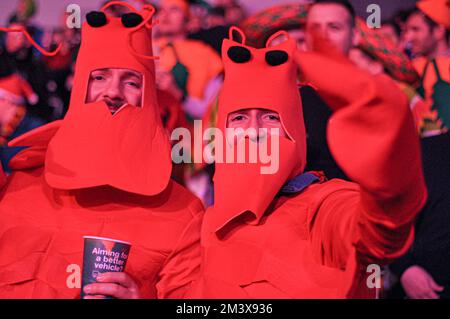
(102, 171)
(290, 233)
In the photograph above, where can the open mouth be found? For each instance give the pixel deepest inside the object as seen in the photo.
(114, 106)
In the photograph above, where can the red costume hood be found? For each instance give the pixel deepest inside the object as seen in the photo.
(258, 78)
(128, 150)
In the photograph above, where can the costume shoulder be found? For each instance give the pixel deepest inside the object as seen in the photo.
(179, 198)
(36, 142)
(317, 193)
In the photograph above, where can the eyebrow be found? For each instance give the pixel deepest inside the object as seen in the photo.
(103, 71)
(242, 111)
(246, 111)
(132, 74)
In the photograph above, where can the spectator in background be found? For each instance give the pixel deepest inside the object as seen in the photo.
(214, 30)
(234, 13)
(193, 66)
(24, 13)
(397, 25)
(198, 13)
(15, 92)
(32, 69)
(25, 10)
(22, 74)
(423, 273)
(188, 69)
(427, 32)
(427, 35)
(60, 66)
(334, 20)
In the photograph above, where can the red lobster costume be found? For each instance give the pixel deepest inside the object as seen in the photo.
(287, 235)
(98, 174)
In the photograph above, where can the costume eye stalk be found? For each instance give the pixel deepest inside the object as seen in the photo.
(277, 57)
(239, 54)
(131, 20)
(96, 19)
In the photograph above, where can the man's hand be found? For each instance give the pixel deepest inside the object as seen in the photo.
(118, 285)
(418, 284)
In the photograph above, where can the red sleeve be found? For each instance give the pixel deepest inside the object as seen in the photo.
(182, 266)
(373, 139)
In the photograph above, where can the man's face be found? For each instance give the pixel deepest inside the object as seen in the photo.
(116, 87)
(256, 119)
(172, 20)
(419, 35)
(333, 22)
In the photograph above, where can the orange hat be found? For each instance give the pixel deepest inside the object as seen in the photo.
(128, 150)
(258, 78)
(436, 10)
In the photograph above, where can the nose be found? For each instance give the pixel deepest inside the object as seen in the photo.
(114, 90)
(325, 32)
(256, 125)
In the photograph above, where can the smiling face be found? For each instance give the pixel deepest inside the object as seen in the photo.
(256, 119)
(116, 87)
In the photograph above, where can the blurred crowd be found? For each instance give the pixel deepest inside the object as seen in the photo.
(412, 47)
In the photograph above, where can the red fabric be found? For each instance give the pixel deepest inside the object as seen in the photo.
(42, 229)
(36, 142)
(128, 150)
(318, 244)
